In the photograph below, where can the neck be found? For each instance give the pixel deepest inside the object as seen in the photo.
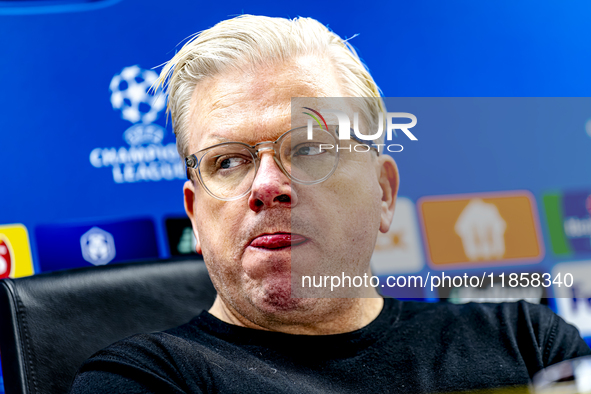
(342, 315)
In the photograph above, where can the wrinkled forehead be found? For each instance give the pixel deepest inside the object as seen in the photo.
(324, 109)
(256, 105)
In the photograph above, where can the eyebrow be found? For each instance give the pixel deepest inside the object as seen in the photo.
(219, 139)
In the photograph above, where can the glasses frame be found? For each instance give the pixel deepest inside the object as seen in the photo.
(193, 162)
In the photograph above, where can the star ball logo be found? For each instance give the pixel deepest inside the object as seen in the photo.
(344, 131)
(146, 158)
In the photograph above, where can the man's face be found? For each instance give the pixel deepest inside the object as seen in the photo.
(336, 221)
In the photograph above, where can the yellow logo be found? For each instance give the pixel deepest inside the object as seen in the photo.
(15, 252)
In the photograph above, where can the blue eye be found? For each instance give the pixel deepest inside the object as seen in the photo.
(307, 150)
(231, 162)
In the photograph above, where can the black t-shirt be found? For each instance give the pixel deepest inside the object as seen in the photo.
(411, 347)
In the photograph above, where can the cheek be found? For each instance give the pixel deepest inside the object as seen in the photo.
(218, 225)
(360, 211)
(220, 243)
(357, 191)
(347, 206)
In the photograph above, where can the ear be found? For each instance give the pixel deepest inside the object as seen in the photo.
(189, 192)
(389, 180)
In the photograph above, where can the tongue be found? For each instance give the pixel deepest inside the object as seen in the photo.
(275, 241)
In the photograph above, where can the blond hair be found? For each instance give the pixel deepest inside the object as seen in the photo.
(256, 40)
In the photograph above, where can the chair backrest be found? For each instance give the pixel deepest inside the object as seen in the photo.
(50, 323)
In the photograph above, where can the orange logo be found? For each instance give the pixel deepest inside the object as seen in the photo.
(15, 253)
(478, 229)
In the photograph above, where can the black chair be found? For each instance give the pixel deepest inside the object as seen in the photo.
(50, 323)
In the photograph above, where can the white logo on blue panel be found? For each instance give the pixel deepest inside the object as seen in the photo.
(482, 230)
(577, 220)
(574, 301)
(98, 246)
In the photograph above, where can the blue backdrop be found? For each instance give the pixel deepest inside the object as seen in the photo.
(78, 150)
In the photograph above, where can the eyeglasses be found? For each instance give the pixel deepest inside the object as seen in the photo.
(227, 170)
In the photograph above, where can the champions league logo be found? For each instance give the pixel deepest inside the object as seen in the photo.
(130, 94)
(146, 158)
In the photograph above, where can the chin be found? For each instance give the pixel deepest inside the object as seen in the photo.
(276, 296)
(272, 297)
(276, 302)
(276, 305)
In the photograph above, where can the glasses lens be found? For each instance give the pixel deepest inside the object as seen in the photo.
(227, 171)
(309, 160)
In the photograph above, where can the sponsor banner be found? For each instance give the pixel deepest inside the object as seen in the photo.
(573, 293)
(399, 250)
(485, 229)
(501, 287)
(64, 246)
(569, 222)
(15, 252)
(181, 239)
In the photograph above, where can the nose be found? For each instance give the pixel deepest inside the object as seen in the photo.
(271, 187)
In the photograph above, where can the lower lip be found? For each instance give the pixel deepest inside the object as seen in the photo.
(278, 241)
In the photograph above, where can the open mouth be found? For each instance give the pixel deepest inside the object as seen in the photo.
(278, 240)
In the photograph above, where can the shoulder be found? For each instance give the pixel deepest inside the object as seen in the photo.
(474, 313)
(533, 330)
(158, 350)
(142, 348)
(156, 362)
(504, 316)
